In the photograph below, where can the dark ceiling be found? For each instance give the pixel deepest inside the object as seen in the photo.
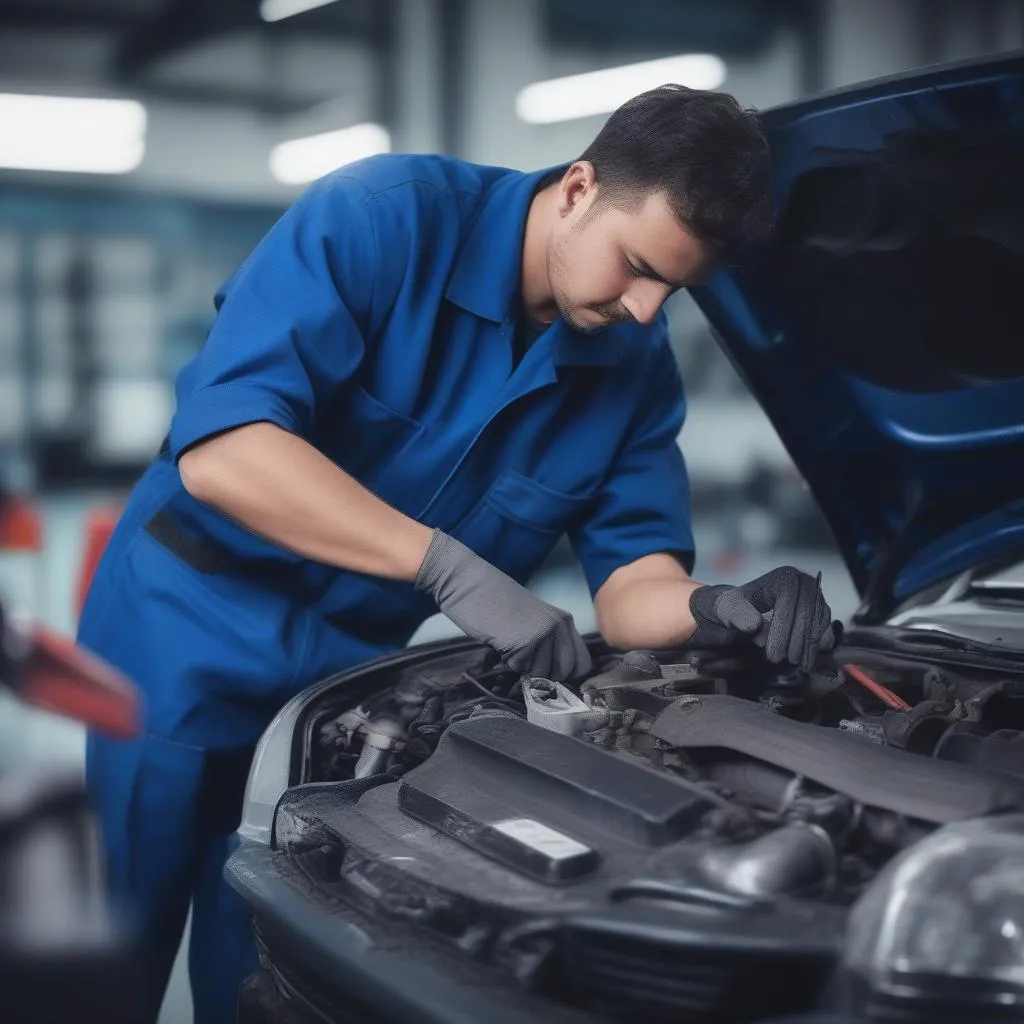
(145, 32)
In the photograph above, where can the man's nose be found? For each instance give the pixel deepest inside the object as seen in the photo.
(643, 300)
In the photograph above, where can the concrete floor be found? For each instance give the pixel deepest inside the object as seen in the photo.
(43, 588)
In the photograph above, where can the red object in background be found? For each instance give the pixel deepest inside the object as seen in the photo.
(99, 525)
(60, 676)
(21, 526)
(727, 562)
(52, 672)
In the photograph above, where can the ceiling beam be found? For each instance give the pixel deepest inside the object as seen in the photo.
(726, 27)
(180, 25)
(24, 14)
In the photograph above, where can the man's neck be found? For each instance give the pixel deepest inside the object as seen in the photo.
(535, 289)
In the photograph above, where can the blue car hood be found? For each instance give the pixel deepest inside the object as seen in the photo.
(883, 329)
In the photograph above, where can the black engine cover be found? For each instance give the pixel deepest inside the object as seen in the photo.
(512, 791)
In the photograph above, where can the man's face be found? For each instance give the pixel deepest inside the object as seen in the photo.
(608, 264)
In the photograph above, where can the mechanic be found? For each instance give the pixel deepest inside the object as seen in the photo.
(425, 374)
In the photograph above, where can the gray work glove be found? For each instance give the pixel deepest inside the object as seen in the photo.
(783, 611)
(532, 636)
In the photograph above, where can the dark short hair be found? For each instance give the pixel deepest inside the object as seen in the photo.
(706, 152)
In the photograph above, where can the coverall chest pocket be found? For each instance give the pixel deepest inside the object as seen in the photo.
(518, 521)
(364, 436)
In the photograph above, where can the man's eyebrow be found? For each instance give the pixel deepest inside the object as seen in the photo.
(648, 271)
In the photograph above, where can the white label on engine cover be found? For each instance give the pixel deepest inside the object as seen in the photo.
(541, 838)
(679, 671)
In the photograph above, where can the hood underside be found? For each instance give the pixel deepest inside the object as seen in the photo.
(883, 330)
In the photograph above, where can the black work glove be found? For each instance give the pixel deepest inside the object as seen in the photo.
(532, 636)
(783, 611)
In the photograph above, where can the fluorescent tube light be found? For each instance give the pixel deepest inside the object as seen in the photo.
(70, 133)
(600, 92)
(277, 10)
(300, 160)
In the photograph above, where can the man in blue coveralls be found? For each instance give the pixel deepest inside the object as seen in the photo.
(424, 375)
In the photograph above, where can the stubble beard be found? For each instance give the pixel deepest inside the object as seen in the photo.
(558, 271)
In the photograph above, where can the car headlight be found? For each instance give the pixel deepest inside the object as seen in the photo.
(939, 934)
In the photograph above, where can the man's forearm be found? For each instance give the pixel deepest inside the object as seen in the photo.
(647, 605)
(279, 486)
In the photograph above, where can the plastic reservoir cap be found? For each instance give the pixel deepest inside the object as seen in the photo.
(946, 918)
(554, 706)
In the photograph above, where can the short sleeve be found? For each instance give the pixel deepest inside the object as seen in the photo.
(643, 506)
(290, 323)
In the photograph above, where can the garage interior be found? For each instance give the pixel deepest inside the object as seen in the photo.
(109, 257)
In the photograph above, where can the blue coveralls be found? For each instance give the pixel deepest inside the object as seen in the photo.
(376, 319)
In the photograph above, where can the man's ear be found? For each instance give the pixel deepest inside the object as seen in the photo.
(578, 184)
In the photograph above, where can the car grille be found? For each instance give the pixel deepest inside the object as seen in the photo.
(630, 978)
(307, 997)
(938, 1010)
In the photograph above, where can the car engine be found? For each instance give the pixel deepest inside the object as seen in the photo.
(682, 835)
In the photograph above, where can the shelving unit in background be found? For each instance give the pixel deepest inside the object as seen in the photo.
(104, 295)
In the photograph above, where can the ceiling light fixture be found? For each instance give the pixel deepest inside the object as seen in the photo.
(72, 134)
(300, 160)
(600, 92)
(278, 10)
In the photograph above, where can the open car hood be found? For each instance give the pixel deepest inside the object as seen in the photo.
(883, 330)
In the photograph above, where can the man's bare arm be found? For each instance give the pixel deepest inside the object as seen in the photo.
(279, 486)
(646, 604)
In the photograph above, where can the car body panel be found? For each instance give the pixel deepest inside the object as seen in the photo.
(877, 330)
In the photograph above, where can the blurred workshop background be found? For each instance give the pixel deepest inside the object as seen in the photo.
(145, 146)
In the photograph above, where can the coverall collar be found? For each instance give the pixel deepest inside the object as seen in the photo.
(486, 277)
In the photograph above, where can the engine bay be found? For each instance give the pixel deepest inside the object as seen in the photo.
(675, 808)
